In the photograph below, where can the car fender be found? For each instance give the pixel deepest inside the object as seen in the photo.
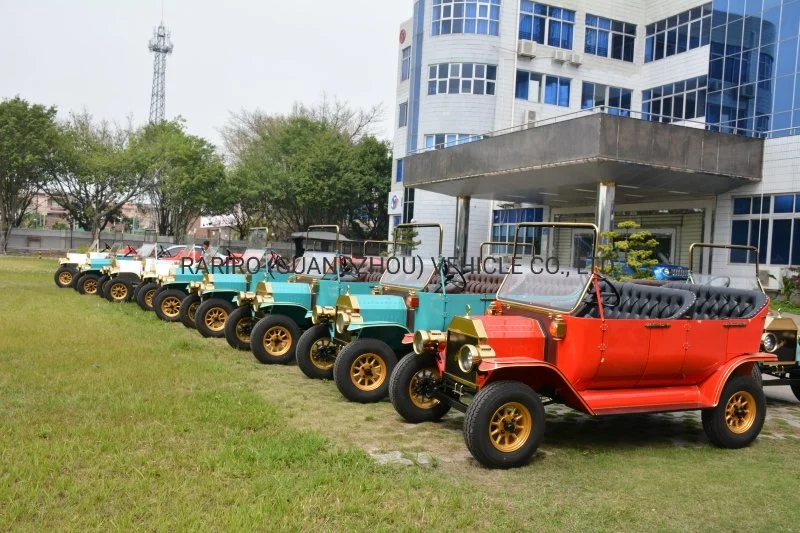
(537, 375)
(711, 388)
(229, 296)
(389, 332)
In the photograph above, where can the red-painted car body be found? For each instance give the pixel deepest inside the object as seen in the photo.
(599, 346)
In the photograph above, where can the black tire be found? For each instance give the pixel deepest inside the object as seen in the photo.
(167, 304)
(314, 363)
(796, 390)
(757, 375)
(87, 284)
(101, 284)
(409, 389)
(211, 317)
(273, 340)
(77, 277)
(239, 326)
(145, 295)
(189, 306)
(118, 290)
(362, 370)
(495, 404)
(739, 416)
(65, 276)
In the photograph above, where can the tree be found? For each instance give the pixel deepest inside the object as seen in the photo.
(29, 136)
(372, 165)
(185, 173)
(98, 175)
(635, 246)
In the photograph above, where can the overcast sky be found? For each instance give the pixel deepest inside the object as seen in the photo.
(229, 55)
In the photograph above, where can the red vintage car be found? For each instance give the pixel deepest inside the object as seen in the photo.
(563, 335)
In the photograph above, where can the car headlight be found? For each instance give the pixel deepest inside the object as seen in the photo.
(770, 342)
(342, 321)
(425, 341)
(667, 272)
(468, 358)
(322, 314)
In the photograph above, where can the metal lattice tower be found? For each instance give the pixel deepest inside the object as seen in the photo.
(161, 46)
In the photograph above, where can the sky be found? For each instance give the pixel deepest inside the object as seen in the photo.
(229, 55)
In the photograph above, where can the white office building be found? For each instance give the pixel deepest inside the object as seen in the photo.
(476, 70)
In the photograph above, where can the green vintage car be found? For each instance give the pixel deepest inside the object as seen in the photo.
(359, 342)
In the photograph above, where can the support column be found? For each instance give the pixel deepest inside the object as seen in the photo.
(606, 191)
(462, 229)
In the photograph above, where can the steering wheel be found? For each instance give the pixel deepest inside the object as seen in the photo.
(280, 262)
(131, 251)
(612, 295)
(345, 266)
(161, 251)
(450, 271)
(106, 247)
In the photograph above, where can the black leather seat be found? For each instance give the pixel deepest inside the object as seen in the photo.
(642, 302)
(719, 303)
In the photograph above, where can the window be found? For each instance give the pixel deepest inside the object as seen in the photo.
(408, 205)
(618, 100)
(396, 220)
(444, 140)
(772, 224)
(462, 78)
(405, 64)
(609, 38)
(546, 24)
(682, 100)
(466, 16)
(504, 222)
(674, 35)
(535, 87)
(402, 120)
(398, 176)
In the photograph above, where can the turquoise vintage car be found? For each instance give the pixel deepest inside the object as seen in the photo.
(281, 309)
(211, 301)
(90, 272)
(174, 287)
(359, 342)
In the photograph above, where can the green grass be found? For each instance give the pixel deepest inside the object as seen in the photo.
(110, 419)
(785, 306)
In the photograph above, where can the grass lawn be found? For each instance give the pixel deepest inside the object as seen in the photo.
(785, 306)
(111, 419)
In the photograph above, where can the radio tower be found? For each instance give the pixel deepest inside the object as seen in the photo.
(161, 46)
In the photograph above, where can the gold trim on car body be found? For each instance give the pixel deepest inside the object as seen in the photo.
(779, 323)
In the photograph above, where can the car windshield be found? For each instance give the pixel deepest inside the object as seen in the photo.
(552, 274)
(744, 277)
(413, 264)
(146, 250)
(251, 255)
(315, 264)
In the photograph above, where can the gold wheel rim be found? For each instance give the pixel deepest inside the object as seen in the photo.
(368, 371)
(317, 360)
(510, 427)
(215, 318)
(418, 399)
(148, 297)
(65, 278)
(118, 291)
(277, 341)
(171, 306)
(740, 412)
(240, 329)
(191, 312)
(90, 286)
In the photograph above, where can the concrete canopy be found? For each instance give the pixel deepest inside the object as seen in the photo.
(561, 164)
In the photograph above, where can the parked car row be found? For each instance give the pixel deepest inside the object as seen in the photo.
(499, 347)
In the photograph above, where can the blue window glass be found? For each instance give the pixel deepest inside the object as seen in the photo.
(523, 85)
(739, 233)
(759, 230)
(784, 203)
(563, 92)
(796, 243)
(551, 90)
(466, 16)
(542, 23)
(403, 115)
(405, 64)
(790, 20)
(602, 44)
(781, 237)
(399, 174)
(741, 206)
